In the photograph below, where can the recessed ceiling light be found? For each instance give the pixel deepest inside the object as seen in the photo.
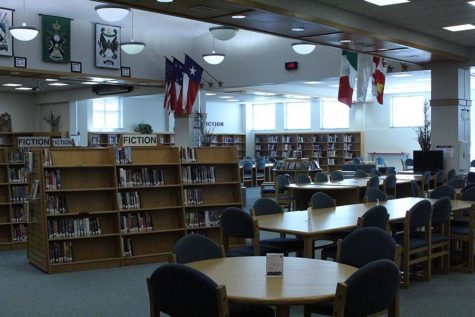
(297, 97)
(58, 84)
(12, 85)
(382, 49)
(345, 41)
(225, 97)
(165, 1)
(89, 83)
(458, 28)
(298, 29)
(401, 75)
(261, 93)
(233, 100)
(51, 79)
(312, 82)
(210, 94)
(238, 16)
(386, 2)
(24, 88)
(335, 85)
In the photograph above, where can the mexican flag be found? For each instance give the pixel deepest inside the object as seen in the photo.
(348, 67)
(379, 79)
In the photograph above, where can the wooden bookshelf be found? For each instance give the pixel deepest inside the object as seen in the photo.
(331, 149)
(129, 202)
(14, 198)
(104, 139)
(9, 139)
(238, 140)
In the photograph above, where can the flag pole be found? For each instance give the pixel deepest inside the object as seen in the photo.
(220, 83)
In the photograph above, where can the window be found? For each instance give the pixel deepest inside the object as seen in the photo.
(263, 117)
(407, 111)
(297, 115)
(107, 114)
(335, 115)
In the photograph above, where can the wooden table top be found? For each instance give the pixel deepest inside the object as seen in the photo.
(339, 218)
(321, 186)
(304, 280)
(347, 183)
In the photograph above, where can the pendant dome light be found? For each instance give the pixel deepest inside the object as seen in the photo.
(132, 47)
(23, 32)
(303, 48)
(213, 58)
(112, 12)
(223, 33)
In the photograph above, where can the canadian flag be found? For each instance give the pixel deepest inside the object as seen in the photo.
(379, 78)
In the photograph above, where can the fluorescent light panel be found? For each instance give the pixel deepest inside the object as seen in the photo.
(12, 85)
(401, 75)
(24, 88)
(386, 2)
(461, 27)
(472, 3)
(58, 84)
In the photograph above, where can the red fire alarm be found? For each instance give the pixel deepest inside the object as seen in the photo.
(292, 65)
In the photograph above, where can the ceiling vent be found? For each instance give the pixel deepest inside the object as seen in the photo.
(102, 90)
(202, 9)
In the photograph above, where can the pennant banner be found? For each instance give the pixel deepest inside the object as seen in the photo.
(363, 74)
(348, 69)
(56, 39)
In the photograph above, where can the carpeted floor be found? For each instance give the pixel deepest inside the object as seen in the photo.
(26, 291)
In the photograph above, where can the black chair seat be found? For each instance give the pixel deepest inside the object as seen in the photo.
(260, 174)
(248, 310)
(460, 230)
(436, 237)
(325, 308)
(249, 250)
(460, 223)
(414, 242)
(288, 244)
(268, 190)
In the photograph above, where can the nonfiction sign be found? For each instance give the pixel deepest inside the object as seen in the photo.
(139, 140)
(34, 141)
(63, 142)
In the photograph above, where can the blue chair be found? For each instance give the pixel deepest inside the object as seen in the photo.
(375, 194)
(471, 177)
(283, 195)
(389, 186)
(409, 163)
(443, 191)
(247, 173)
(260, 170)
(452, 173)
(439, 178)
(321, 200)
(415, 189)
(336, 176)
(468, 193)
(360, 173)
(440, 236)
(302, 178)
(380, 161)
(195, 247)
(376, 217)
(472, 163)
(321, 177)
(357, 160)
(457, 182)
(426, 179)
(375, 172)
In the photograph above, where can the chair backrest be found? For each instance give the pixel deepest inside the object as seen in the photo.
(247, 167)
(235, 222)
(390, 182)
(376, 216)
(321, 200)
(302, 178)
(452, 173)
(265, 206)
(321, 177)
(374, 172)
(260, 164)
(439, 178)
(371, 289)
(409, 163)
(281, 182)
(443, 191)
(373, 182)
(457, 182)
(441, 211)
(360, 173)
(468, 194)
(196, 247)
(380, 161)
(420, 214)
(414, 189)
(472, 163)
(271, 159)
(179, 290)
(375, 194)
(471, 177)
(366, 245)
(357, 160)
(336, 176)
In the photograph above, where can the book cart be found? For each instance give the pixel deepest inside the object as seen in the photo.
(108, 207)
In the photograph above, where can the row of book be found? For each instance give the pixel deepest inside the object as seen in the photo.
(129, 200)
(136, 222)
(126, 247)
(193, 196)
(73, 228)
(298, 165)
(187, 154)
(203, 218)
(52, 179)
(60, 252)
(19, 233)
(16, 156)
(21, 213)
(145, 176)
(19, 193)
(123, 155)
(47, 158)
(55, 204)
(18, 175)
(198, 174)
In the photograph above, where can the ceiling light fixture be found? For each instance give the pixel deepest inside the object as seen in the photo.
(471, 2)
(12, 85)
(58, 84)
(303, 48)
(132, 47)
(213, 58)
(223, 33)
(23, 32)
(312, 82)
(112, 12)
(298, 29)
(165, 1)
(458, 28)
(386, 2)
(210, 94)
(89, 83)
(238, 16)
(24, 88)
(345, 41)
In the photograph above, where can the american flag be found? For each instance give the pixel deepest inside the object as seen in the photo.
(178, 67)
(169, 102)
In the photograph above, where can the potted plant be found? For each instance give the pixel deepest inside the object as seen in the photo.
(144, 128)
(424, 132)
(53, 121)
(203, 131)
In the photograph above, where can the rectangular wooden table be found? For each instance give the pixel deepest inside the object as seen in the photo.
(340, 218)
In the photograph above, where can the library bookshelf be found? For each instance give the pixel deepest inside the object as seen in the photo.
(14, 198)
(105, 139)
(331, 149)
(238, 140)
(107, 207)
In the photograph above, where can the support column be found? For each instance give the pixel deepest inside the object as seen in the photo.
(186, 127)
(450, 114)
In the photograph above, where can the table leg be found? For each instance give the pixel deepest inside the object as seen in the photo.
(282, 311)
(308, 247)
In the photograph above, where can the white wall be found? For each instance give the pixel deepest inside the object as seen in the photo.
(22, 109)
(229, 114)
(148, 109)
(57, 109)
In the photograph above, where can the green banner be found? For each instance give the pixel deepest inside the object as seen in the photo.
(56, 39)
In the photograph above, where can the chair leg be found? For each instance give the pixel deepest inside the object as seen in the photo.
(306, 311)
(405, 269)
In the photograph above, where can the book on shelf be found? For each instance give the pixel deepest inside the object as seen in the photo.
(52, 179)
(193, 196)
(123, 155)
(129, 200)
(20, 213)
(136, 222)
(18, 174)
(47, 158)
(60, 252)
(74, 227)
(203, 218)
(19, 193)
(145, 176)
(55, 204)
(126, 247)
(187, 154)
(198, 174)
(19, 232)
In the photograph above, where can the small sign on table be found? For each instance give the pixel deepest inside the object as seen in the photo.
(275, 264)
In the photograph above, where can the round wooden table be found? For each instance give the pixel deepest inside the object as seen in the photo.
(304, 280)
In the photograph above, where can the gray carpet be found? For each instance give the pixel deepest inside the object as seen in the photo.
(26, 291)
